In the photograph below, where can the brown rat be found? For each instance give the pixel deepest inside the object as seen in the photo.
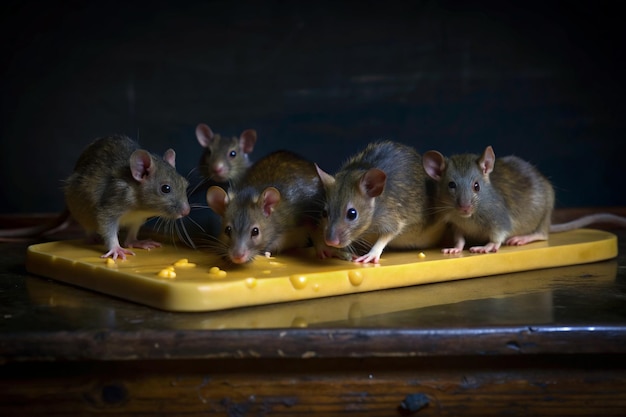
(275, 206)
(116, 184)
(503, 201)
(224, 159)
(382, 196)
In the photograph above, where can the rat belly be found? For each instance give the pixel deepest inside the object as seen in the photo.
(419, 236)
(136, 217)
(477, 231)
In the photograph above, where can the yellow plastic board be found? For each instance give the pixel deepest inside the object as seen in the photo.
(298, 275)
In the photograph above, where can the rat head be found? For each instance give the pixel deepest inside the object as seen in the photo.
(162, 190)
(247, 216)
(462, 178)
(350, 201)
(224, 159)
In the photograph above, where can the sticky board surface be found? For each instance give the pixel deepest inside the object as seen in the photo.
(198, 285)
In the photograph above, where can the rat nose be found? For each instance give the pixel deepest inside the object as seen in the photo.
(238, 258)
(218, 168)
(465, 209)
(185, 209)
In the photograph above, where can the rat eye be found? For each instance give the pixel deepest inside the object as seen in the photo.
(351, 214)
(166, 188)
(228, 230)
(324, 213)
(452, 185)
(255, 232)
(476, 186)
(232, 154)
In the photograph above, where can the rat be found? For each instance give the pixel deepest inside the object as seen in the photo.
(117, 184)
(504, 201)
(380, 195)
(224, 159)
(276, 206)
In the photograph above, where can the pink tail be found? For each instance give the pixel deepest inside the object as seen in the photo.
(605, 218)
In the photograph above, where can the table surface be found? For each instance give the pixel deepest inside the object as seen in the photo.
(575, 309)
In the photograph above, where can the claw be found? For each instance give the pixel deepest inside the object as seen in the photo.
(118, 252)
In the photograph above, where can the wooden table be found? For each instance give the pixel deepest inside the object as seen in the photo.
(547, 342)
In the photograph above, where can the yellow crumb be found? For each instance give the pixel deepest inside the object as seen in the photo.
(167, 273)
(184, 263)
(217, 272)
(422, 255)
(110, 263)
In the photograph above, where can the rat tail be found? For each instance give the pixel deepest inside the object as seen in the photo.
(598, 218)
(57, 224)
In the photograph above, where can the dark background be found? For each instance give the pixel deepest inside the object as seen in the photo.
(540, 79)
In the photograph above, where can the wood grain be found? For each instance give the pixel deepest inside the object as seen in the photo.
(551, 386)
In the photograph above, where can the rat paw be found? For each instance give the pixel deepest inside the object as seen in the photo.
(524, 239)
(143, 244)
(118, 252)
(517, 241)
(367, 258)
(451, 251)
(488, 248)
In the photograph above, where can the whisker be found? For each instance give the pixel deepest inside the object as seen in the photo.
(212, 242)
(158, 224)
(170, 227)
(199, 206)
(192, 171)
(195, 223)
(197, 186)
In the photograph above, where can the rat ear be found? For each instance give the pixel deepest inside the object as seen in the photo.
(487, 161)
(327, 179)
(170, 157)
(247, 140)
(204, 134)
(270, 197)
(217, 199)
(140, 164)
(373, 182)
(434, 164)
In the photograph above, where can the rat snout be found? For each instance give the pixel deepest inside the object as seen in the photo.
(333, 238)
(220, 172)
(465, 210)
(185, 209)
(239, 257)
(464, 205)
(334, 242)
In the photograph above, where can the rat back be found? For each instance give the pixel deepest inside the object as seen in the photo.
(527, 193)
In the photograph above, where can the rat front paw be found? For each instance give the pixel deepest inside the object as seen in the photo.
(488, 248)
(367, 258)
(118, 251)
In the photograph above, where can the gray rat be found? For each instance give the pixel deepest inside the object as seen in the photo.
(224, 159)
(276, 206)
(382, 196)
(116, 184)
(504, 201)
